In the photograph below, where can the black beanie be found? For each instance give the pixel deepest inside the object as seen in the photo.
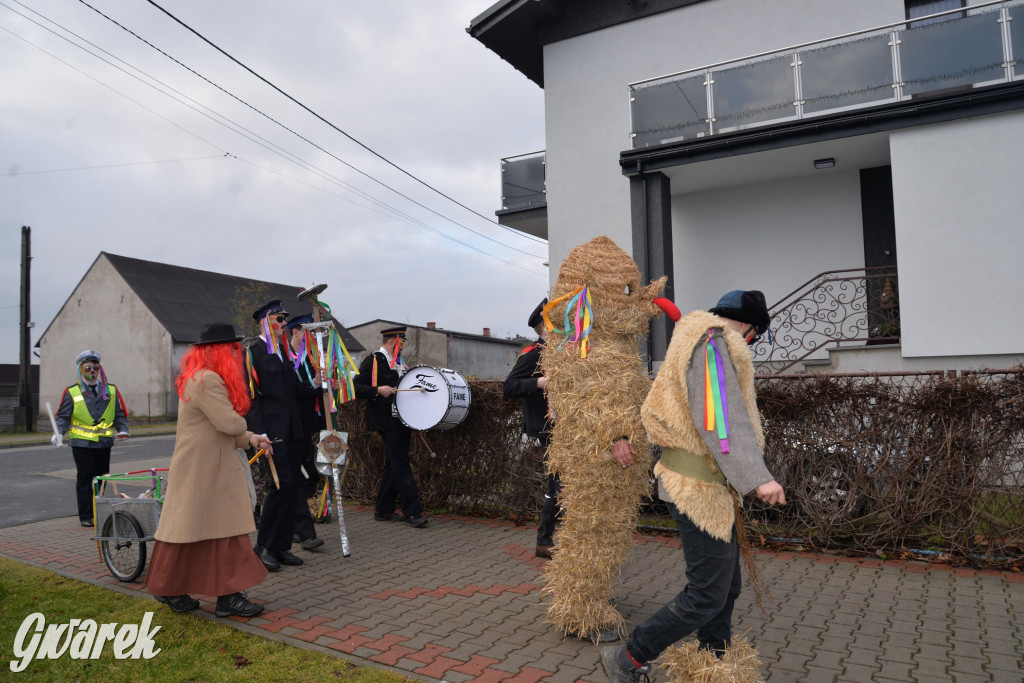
(745, 307)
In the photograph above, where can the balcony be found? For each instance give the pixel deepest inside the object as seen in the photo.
(523, 194)
(945, 53)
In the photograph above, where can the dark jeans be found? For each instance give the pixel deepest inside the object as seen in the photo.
(90, 462)
(277, 518)
(397, 480)
(705, 605)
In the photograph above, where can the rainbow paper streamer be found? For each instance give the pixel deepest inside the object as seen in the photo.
(254, 379)
(579, 318)
(716, 407)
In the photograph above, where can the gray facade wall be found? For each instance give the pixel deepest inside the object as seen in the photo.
(470, 356)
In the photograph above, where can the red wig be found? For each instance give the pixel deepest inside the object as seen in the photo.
(223, 359)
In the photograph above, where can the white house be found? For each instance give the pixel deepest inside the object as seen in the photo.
(744, 144)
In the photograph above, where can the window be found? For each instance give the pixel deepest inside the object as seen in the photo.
(922, 8)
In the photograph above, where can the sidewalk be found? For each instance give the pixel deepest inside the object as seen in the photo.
(40, 438)
(460, 601)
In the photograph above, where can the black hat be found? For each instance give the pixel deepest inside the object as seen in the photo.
(299, 320)
(394, 332)
(537, 317)
(745, 307)
(269, 308)
(218, 333)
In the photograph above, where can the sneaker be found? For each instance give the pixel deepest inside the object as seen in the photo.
(311, 543)
(417, 522)
(601, 635)
(544, 551)
(236, 604)
(619, 667)
(85, 522)
(178, 603)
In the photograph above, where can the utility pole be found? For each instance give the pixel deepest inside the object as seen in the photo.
(25, 374)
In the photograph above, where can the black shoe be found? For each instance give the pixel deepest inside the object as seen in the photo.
(178, 603)
(393, 517)
(267, 558)
(285, 557)
(296, 539)
(236, 604)
(311, 543)
(544, 551)
(417, 522)
(85, 522)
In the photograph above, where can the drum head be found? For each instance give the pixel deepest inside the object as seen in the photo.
(422, 398)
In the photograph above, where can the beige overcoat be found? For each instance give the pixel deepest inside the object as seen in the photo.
(207, 494)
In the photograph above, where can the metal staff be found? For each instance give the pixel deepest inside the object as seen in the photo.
(332, 455)
(53, 423)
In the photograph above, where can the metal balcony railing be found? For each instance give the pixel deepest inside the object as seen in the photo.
(831, 310)
(523, 179)
(969, 47)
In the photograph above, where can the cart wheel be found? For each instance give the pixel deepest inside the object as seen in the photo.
(126, 556)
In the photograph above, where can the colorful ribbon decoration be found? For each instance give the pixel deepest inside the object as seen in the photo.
(254, 379)
(337, 361)
(716, 406)
(579, 318)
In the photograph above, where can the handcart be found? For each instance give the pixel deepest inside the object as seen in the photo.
(127, 519)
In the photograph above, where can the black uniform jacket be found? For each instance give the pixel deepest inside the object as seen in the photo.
(522, 383)
(309, 399)
(378, 408)
(275, 408)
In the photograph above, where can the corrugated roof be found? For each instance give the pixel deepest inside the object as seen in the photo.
(184, 299)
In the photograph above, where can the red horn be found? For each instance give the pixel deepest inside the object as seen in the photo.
(671, 310)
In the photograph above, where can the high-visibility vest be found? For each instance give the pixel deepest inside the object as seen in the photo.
(82, 425)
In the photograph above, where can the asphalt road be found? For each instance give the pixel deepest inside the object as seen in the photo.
(38, 482)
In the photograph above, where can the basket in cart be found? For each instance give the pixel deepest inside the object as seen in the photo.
(126, 510)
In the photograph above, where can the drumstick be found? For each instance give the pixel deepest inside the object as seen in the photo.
(419, 389)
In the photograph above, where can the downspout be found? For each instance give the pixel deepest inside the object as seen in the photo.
(647, 261)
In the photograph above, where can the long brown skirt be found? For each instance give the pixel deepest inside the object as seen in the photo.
(218, 566)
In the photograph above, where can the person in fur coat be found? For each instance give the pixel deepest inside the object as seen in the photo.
(702, 411)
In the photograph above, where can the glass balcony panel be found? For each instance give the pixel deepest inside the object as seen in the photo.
(756, 93)
(948, 54)
(522, 181)
(667, 111)
(854, 73)
(1017, 39)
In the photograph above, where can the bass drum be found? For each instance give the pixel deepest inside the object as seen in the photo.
(432, 398)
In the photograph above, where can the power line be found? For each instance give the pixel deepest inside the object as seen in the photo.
(130, 163)
(296, 133)
(234, 127)
(320, 118)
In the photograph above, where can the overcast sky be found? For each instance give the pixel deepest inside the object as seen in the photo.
(130, 153)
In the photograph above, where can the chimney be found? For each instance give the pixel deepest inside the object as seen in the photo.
(487, 332)
(431, 326)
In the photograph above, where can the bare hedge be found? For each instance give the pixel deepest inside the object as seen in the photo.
(890, 465)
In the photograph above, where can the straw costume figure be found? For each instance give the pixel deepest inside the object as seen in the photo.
(596, 384)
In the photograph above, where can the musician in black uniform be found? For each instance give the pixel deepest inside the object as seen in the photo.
(311, 412)
(376, 383)
(526, 381)
(275, 413)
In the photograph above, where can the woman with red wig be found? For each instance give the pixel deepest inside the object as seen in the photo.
(202, 542)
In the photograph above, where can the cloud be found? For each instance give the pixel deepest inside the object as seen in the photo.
(405, 79)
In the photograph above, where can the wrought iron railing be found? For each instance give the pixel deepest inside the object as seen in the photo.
(963, 48)
(523, 181)
(837, 308)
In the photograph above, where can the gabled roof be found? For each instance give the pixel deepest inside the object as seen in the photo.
(184, 299)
